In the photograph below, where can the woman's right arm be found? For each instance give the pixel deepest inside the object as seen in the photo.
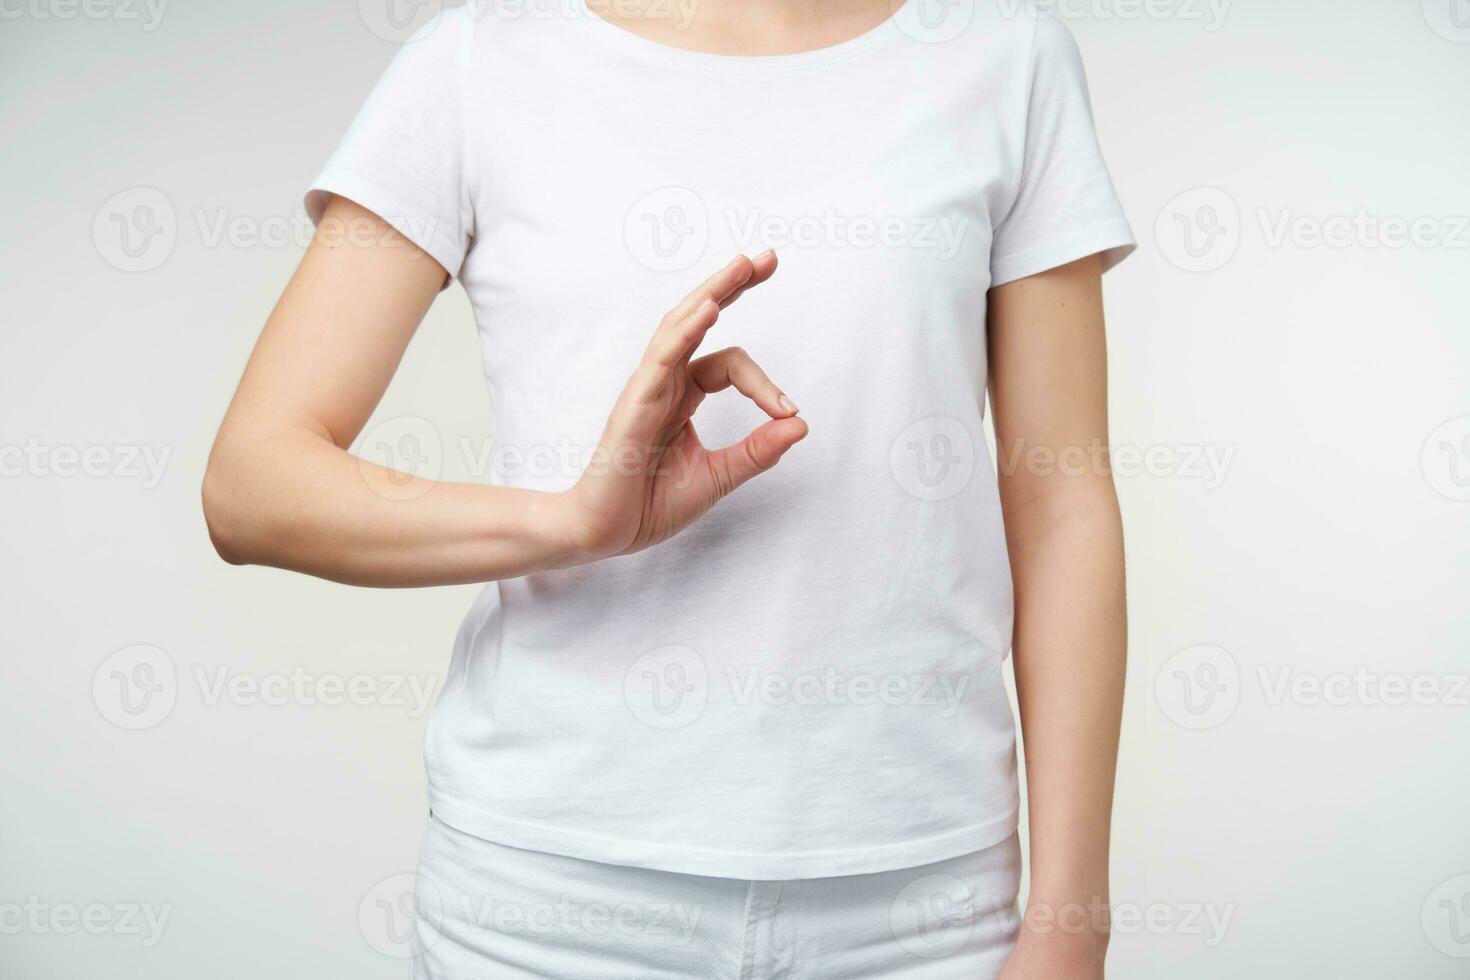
(282, 490)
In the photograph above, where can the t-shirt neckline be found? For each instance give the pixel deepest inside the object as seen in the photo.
(684, 58)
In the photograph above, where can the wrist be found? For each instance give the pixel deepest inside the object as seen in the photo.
(1074, 925)
(1042, 958)
(549, 521)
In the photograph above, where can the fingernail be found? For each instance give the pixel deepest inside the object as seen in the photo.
(787, 405)
(767, 252)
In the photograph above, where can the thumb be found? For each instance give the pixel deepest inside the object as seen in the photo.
(756, 453)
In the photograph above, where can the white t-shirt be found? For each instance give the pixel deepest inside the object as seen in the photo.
(807, 681)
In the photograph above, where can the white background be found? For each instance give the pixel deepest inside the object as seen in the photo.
(1332, 540)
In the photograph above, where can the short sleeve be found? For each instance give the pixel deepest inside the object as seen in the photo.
(403, 156)
(1065, 207)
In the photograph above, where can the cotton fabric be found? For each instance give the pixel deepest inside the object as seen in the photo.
(808, 681)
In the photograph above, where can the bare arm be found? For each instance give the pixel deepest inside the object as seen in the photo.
(1049, 393)
(281, 488)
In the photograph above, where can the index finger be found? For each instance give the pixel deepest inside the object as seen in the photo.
(683, 327)
(761, 268)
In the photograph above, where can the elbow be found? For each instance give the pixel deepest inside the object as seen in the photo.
(222, 516)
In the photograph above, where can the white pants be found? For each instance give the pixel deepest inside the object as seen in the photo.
(485, 911)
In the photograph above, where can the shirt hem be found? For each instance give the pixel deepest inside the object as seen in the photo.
(421, 229)
(743, 865)
(1114, 241)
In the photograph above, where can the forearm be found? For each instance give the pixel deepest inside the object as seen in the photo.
(282, 490)
(1070, 647)
(292, 499)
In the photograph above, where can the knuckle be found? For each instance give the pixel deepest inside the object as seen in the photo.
(643, 379)
(719, 472)
(753, 453)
